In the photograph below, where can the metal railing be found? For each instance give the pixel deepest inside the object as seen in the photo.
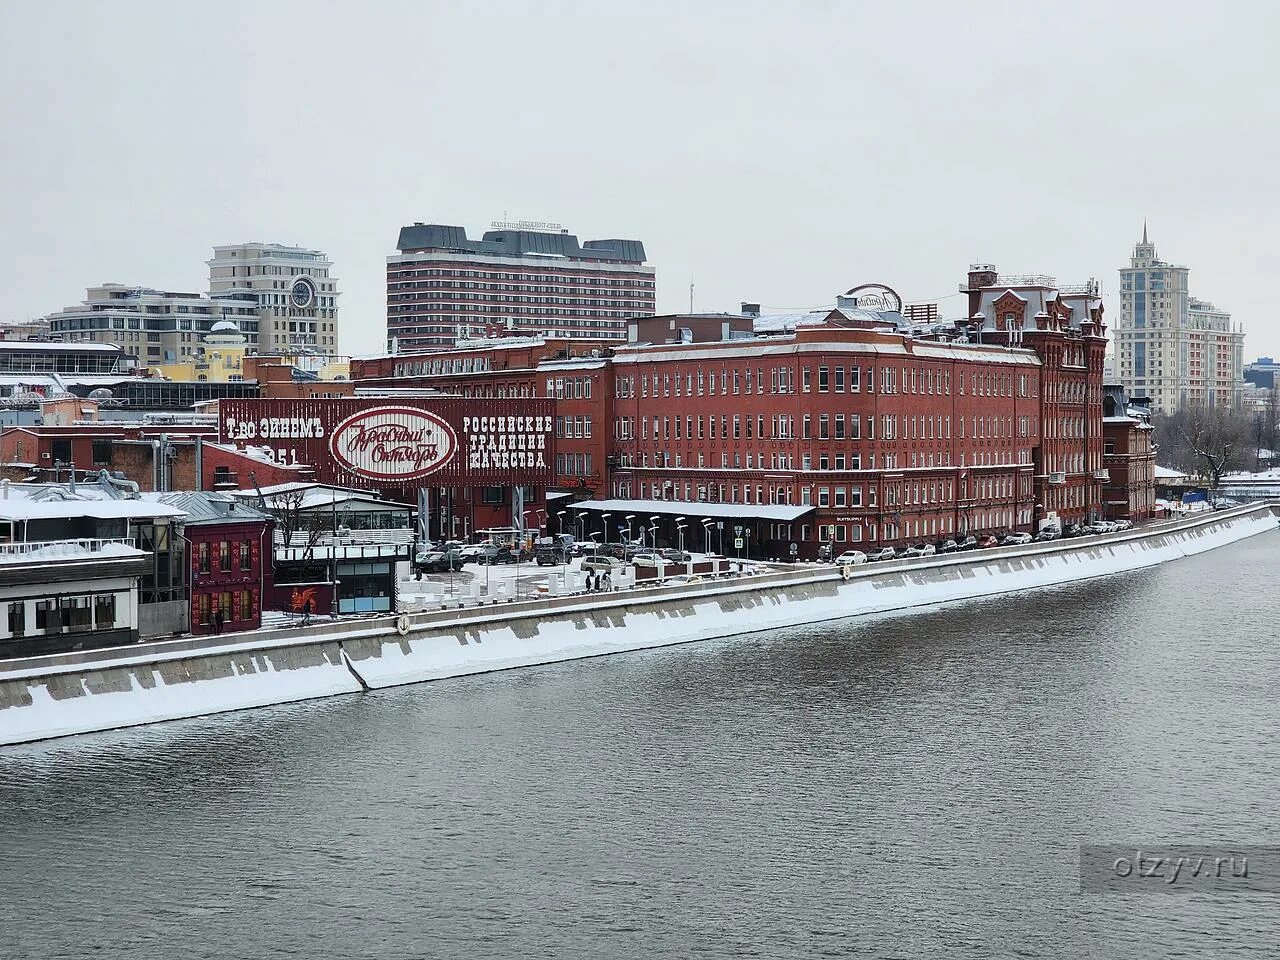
(87, 545)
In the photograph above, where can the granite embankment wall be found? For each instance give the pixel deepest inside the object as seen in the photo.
(65, 694)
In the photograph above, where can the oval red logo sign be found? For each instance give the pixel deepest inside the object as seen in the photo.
(393, 443)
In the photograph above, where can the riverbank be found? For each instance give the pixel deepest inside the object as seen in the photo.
(61, 695)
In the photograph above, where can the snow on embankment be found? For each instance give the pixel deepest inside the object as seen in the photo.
(144, 690)
(705, 611)
(54, 696)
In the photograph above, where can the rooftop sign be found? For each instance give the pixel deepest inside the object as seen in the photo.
(873, 296)
(537, 226)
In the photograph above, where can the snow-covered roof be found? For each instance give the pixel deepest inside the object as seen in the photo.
(1164, 473)
(310, 496)
(201, 507)
(27, 509)
(695, 511)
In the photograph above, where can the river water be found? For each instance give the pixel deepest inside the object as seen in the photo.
(906, 786)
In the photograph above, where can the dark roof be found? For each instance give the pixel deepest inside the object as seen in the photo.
(203, 507)
(516, 243)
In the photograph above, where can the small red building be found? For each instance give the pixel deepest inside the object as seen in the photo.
(1129, 456)
(229, 560)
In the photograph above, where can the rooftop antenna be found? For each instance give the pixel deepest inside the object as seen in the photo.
(691, 296)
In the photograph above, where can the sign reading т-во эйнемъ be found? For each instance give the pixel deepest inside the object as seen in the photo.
(484, 442)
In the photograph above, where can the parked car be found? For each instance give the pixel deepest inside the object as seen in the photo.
(948, 546)
(884, 553)
(987, 541)
(438, 561)
(648, 558)
(491, 553)
(675, 556)
(471, 552)
(602, 563)
(549, 552)
(851, 556)
(1123, 524)
(969, 543)
(1073, 530)
(920, 550)
(1101, 526)
(1016, 539)
(1048, 533)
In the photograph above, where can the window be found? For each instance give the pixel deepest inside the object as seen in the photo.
(202, 557)
(77, 613)
(824, 374)
(224, 556)
(104, 610)
(246, 554)
(246, 599)
(101, 452)
(855, 379)
(18, 618)
(839, 379)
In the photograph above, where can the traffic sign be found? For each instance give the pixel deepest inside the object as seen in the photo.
(737, 543)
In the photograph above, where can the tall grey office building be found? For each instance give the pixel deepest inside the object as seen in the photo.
(296, 296)
(520, 278)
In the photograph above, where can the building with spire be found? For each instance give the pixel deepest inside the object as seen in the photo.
(1172, 347)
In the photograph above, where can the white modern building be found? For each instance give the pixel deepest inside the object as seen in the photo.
(296, 296)
(1170, 346)
(158, 326)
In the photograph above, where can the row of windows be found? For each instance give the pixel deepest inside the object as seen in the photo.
(234, 606)
(423, 312)
(222, 550)
(575, 428)
(573, 464)
(77, 614)
(559, 276)
(830, 379)
(782, 427)
(826, 461)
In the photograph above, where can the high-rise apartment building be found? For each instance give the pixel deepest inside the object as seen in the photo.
(296, 295)
(519, 279)
(1170, 346)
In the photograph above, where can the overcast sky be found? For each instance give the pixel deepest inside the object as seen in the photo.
(777, 152)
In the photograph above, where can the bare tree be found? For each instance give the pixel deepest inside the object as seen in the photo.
(1217, 439)
(297, 527)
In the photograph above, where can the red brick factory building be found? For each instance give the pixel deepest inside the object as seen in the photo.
(853, 424)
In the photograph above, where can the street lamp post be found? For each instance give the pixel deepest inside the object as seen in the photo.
(604, 522)
(680, 532)
(560, 521)
(653, 531)
(630, 517)
(706, 534)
